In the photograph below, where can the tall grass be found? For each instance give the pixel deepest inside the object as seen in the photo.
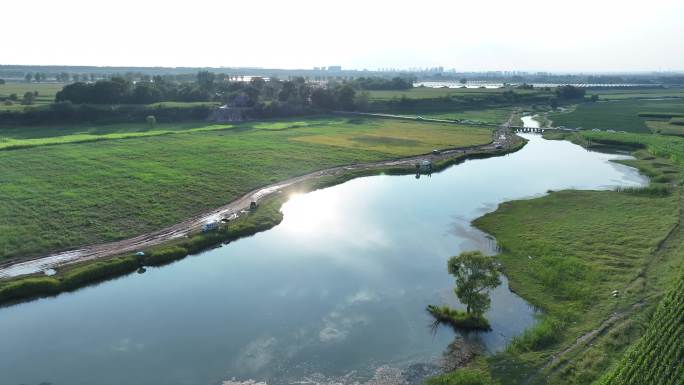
(545, 333)
(656, 190)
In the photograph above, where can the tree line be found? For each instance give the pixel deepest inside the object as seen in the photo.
(209, 87)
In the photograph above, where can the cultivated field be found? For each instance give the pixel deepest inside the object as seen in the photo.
(46, 94)
(616, 94)
(618, 115)
(58, 195)
(657, 358)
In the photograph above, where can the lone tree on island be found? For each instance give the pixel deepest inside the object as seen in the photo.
(475, 274)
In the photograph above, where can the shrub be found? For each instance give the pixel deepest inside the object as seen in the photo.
(656, 190)
(98, 271)
(29, 287)
(545, 333)
(165, 255)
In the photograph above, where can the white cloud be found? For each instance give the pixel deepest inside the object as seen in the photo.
(257, 354)
(344, 317)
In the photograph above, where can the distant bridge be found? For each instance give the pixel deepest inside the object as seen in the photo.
(523, 129)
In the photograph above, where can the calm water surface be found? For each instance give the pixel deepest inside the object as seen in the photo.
(336, 293)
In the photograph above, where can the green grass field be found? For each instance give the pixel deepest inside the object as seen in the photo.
(46, 94)
(566, 252)
(59, 196)
(620, 115)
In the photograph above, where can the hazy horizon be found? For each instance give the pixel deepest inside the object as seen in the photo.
(529, 35)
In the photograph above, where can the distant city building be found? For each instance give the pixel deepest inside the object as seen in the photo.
(335, 68)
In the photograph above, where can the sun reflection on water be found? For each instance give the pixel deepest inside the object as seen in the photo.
(305, 214)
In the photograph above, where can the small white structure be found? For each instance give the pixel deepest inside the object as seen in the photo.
(209, 226)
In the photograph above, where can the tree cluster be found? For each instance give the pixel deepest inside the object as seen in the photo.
(258, 92)
(570, 92)
(379, 83)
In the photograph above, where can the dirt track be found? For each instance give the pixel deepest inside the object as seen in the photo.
(234, 209)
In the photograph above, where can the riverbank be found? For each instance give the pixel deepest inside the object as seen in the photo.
(60, 197)
(596, 263)
(91, 265)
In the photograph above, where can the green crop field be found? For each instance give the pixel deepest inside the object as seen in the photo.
(617, 93)
(620, 115)
(657, 358)
(65, 194)
(46, 94)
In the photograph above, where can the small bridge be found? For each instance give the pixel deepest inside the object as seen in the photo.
(540, 130)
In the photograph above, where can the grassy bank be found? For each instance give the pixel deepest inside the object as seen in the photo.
(458, 319)
(61, 196)
(567, 252)
(79, 275)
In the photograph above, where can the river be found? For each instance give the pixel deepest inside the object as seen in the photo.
(334, 294)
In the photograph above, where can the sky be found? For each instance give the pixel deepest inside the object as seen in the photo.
(480, 35)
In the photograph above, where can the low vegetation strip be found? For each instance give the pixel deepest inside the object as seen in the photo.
(79, 275)
(656, 359)
(7, 143)
(661, 115)
(677, 121)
